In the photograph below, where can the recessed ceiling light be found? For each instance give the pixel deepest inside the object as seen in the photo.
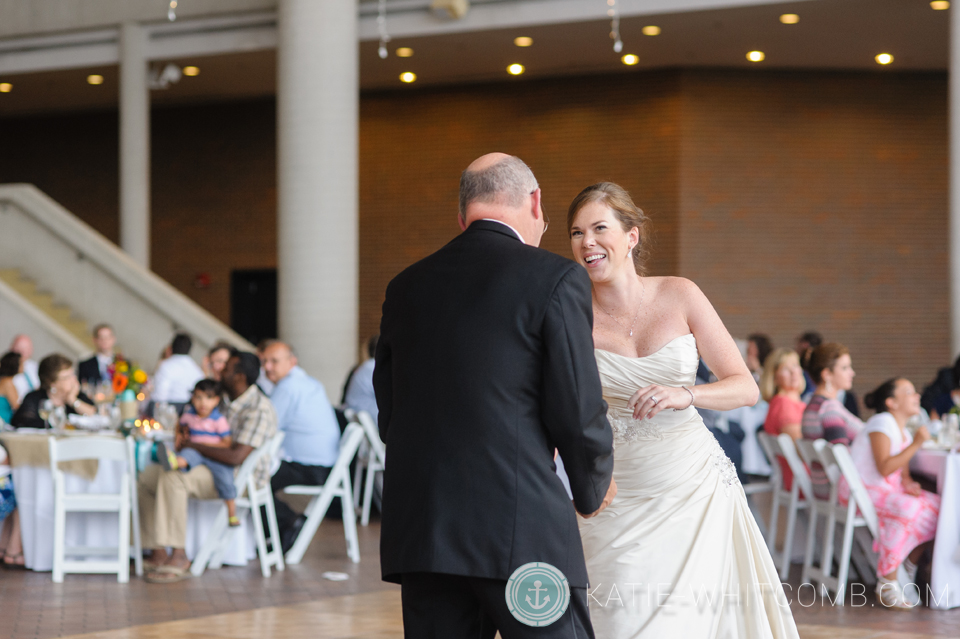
(939, 5)
(755, 56)
(5, 87)
(408, 77)
(884, 58)
(651, 30)
(523, 41)
(191, 71)
(94, 79)
(630, 59)
(404, 52)
(789, 18)
(515, 69)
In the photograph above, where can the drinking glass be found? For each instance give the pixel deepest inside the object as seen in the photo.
(46, 407)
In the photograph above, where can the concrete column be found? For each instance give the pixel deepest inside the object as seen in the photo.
(954, 225)
(317, 184)
(134, 144)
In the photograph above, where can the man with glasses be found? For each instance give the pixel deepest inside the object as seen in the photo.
(484, 367)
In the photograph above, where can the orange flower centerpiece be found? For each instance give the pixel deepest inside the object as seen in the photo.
(127, 375)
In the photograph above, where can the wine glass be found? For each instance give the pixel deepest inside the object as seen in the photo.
(46, 407)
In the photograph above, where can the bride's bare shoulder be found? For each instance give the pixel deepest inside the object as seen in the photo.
(674, 287)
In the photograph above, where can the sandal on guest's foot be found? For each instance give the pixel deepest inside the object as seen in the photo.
(233, 520)
(168, 575)
(167, 458)
(15, 562)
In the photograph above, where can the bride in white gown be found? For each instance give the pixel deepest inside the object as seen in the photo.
(677, 553)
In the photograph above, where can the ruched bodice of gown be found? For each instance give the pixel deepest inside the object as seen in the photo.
(677, 553)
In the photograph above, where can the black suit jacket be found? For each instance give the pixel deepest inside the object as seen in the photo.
(89, 371)
(485, 365)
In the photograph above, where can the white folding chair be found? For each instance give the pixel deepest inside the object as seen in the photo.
(372, 458)
(103, 449)
(251, 498)
(820, 505)
(336, 485)
(800, 489)
(770, 447)
(859, 512)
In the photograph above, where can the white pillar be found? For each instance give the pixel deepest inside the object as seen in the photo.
(134, 144)
(317, 184)
(954, 225)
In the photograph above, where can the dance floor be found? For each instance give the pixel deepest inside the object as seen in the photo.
(237, 603)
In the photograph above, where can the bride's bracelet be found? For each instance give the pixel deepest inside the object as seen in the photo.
(691, 399)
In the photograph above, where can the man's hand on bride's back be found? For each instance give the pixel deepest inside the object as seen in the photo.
(611, 493)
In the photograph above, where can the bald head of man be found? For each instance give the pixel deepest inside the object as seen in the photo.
(497, 186)
(22, 344)
(278, 360)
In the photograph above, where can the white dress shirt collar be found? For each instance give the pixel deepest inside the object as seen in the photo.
(515, 231)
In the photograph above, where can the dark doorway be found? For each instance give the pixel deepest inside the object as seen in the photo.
(253, 303)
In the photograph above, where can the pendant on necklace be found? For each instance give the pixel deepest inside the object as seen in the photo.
(631, 333)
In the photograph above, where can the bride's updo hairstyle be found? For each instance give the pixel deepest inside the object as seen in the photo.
(630, 216)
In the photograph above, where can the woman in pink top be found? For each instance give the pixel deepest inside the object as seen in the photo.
(781, 384)
(907, 514)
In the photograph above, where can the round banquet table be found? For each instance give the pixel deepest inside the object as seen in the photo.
(944, 466)
(33, 486)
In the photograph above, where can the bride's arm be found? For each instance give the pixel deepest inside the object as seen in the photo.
(734, 387)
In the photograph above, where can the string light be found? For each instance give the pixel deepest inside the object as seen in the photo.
(382, 27)
(614, 13)
(172, 11)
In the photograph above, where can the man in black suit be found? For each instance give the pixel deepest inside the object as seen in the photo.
(95, 369)
(485, 367)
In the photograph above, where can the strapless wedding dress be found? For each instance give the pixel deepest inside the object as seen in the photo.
(677, 553)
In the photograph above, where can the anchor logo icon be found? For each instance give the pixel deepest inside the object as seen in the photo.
(537, 590)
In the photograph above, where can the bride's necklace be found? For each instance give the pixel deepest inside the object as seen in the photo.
(643, 291)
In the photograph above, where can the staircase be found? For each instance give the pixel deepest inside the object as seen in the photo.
(44, 302)
(59, 278)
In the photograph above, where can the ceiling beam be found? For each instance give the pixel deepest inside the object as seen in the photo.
(257, 31)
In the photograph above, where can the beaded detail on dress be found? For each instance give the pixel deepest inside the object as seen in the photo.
(627, 429)
(728, 472)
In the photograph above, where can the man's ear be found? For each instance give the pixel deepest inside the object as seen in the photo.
(535, 204)
(462, 222)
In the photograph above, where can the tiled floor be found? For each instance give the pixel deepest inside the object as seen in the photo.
(239, 603)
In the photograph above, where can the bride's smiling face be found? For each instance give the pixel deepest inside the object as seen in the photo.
(599, 242)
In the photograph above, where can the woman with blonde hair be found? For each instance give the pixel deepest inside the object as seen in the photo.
(680, 520)
(781, 384)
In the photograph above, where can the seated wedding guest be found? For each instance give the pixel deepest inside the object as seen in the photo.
(59, 384)
(176, 375)
(805, 343)
(263, 381)
(359, 391)
(759, 348)
(943, 393)
(907, 514)
(312, 440)
(215, 360)
(203, 423)
(11, 544)
(825, 417)
(11, 365)
(97, 368)
(164, 494)
(29, 378)
(781, 385)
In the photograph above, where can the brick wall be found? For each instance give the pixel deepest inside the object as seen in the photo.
(796, 200)
(819, 201)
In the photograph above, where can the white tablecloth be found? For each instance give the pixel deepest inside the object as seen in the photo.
(34, 491)
(945, 577)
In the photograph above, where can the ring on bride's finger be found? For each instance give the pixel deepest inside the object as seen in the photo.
(655, 400)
